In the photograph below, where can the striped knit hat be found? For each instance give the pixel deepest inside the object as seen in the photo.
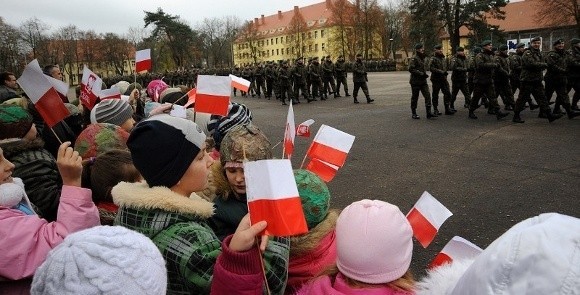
(112, 111)
(218, 126)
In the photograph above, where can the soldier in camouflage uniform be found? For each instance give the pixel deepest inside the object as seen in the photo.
(556, 78)
(501, 79)
(284, 79)
(574, 71)
(340, 73)
(270, 73)
(459, 68)
(483, 82)
(236, 72)
(418, 82)
(438, 68)
(533, 64)
(315, 73)
(298, 73)
(359, 78)
(515, 62)
(260, 80)
(328, 77)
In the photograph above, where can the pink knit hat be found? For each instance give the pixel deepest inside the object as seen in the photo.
(373, 242)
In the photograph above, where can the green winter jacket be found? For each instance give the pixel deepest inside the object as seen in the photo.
(178, 226)
(533, 65)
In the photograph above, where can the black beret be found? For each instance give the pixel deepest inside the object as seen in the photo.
(557, 42)
(503, 48)
(486, 42)
(438, 46)
(460, 48)
(418, 46)
(536, 39)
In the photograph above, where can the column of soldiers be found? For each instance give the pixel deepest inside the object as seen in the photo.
(491, 73)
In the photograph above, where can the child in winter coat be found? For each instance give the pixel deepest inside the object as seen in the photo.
(26, 238)
(314, 251)
(374, 248)
(102, 173)
(171, 156)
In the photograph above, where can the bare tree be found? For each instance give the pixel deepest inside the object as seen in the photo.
(10, 56)
(297, 29)
(136, 35)
(395, 16)
(88, 47)
(33, 33)
(342, 41)
(368, 26)
(251, 45)
(115, 51)
(558, 12)
(218, 35)
(66, 50)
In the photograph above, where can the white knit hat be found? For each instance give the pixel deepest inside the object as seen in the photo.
(373, 242)
(102, 260)
(538, 256)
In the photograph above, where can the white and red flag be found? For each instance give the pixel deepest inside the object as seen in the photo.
(304, 128)
(213, 94)
(426, 217)
(143, 60)
(41, 92)
(289, 132)
(191, 94)
(273, 196)
(60, 86)
(456, 248)
(90, 88)
(330, 145)
(111, 93)
(240, 83)
(324, 170)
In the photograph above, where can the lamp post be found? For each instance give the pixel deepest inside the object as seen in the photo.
(391, 39)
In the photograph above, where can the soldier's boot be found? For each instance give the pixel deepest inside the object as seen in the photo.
(517, 118)
(533, 106)
(499, 114)
(429, 114)
(355, 100)
(414, 114)
(369, 100)
(472, 115)
(283, 101)
(336, 95)
(448, 110)
(571, 113)
(452, 107)
(346, 93)
(553, 117)
(509, 107)
(466, 104)
(436, 112)
(557, 109)
(542, 115)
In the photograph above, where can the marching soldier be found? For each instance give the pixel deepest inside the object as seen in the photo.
(533, 64)
(418, 82)
(328, 77)
(556, 79)
(315, 72)
(501, 79)
(270, 73)
(438, 68)
(574, 71)
(285, 83)
(260, 81)
(299, 76)
(459, 70)
(340, 73)
(359, 78)
(236, 72)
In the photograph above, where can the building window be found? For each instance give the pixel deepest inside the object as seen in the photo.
(267, 42)
(322, 46)
(321, 33)
(310, 48)
(303, 36)
(316, 47)
(277, 51)
(276, 40)
(272, 52)
(309, 35)
(315, 34)
(271, 41)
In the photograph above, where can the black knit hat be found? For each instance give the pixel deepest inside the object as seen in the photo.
(163, 147)
(558, 42)
(15, 121)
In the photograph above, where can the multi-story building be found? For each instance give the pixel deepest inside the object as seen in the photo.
(302, 32)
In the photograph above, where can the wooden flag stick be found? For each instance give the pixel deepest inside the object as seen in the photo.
(263, 265)
(303, 160)
(60, 141)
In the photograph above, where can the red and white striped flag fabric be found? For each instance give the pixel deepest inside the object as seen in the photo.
(190, 97)
(456, 248)
(289, 133)
(213, 94)
(60, 86)
(143, 60)
(330, 145)
(426, 217)
(41, 92)
(111, 93)
(304, 128)
(273, 196)
(90, 88)
(240, 83)
(324, 170)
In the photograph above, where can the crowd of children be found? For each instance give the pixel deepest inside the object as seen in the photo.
(159, 207)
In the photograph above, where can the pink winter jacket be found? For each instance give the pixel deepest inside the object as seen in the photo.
(25, 240)
(307, 265)
(324, 286)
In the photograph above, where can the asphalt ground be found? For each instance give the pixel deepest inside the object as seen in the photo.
(491, 174)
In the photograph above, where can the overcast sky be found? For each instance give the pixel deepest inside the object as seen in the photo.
(118, 15)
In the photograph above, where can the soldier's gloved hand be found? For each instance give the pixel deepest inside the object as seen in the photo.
(445, 73)
(425, 76)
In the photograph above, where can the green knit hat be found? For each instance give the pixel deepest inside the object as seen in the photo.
(315, 196)
(99, 138)
(15, 121)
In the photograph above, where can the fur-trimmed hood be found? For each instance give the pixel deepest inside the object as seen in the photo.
(141, 196)
(441, 280)
(309, 241)
(12, 148)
